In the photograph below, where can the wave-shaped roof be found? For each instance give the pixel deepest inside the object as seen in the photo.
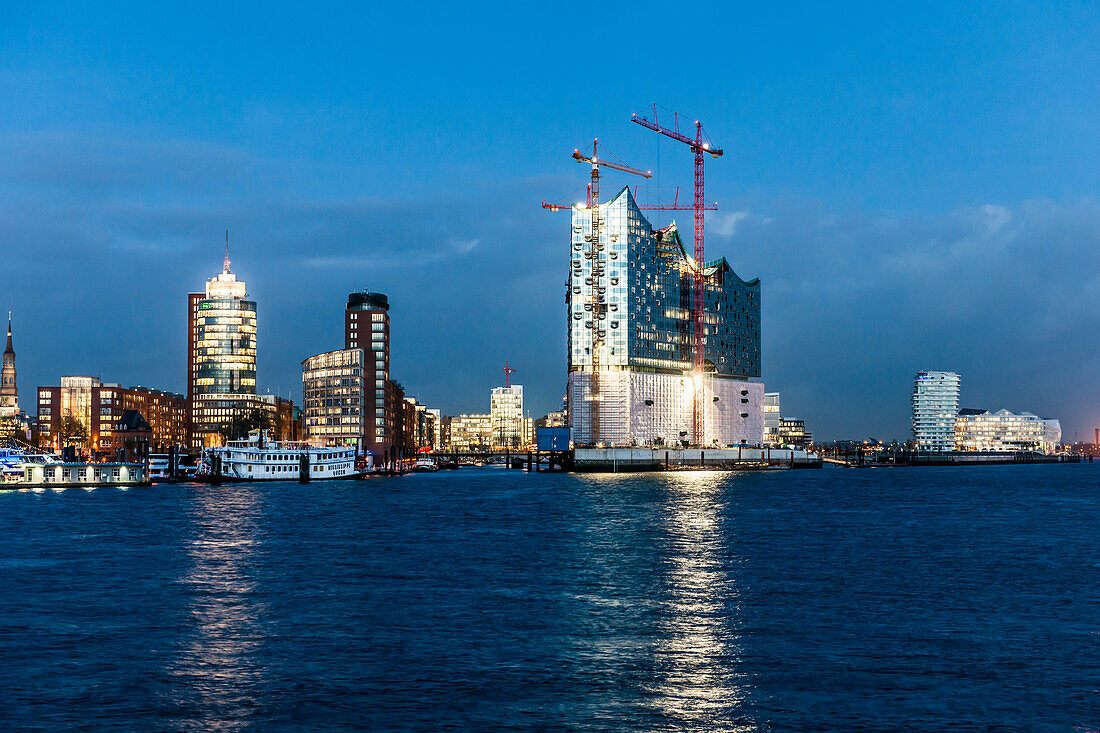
(671, 235)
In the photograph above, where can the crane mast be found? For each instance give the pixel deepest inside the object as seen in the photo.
(698, 147)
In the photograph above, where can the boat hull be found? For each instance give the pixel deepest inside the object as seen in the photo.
(225, 479)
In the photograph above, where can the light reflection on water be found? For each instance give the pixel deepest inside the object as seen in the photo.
(217, 662)
(915, 599)
(696, 655)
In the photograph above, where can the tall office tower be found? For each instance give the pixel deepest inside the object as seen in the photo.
(221, 357)
(642, 388)
(935, 409)
(367, 327)
(9, 391)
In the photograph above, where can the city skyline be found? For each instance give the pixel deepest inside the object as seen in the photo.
(908, 202)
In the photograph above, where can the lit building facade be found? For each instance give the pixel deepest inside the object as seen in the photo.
(645, 383)
(1005, 431)
(792, 431)
(470, 433)
(333, 395)
(435, 428)
(771, 418)
(935, 403)
(552, 420)
(1052, 438)
(98, 408)
(221, 357)
(506, 413)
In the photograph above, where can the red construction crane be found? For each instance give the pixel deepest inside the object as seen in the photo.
(664, 207)
(699, 147)
(508, 371)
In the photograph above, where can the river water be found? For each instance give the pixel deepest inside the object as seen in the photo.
(961, 599)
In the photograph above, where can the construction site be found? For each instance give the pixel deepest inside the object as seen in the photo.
(664, 345)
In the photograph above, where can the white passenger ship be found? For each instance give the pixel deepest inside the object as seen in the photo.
(259, 459)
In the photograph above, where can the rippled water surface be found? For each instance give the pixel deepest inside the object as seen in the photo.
(485, 599)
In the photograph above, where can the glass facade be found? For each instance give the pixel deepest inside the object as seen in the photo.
(647, 285)
(225, 355)
(222, 358)
(506, 411)
(333, 398)
(631, 291)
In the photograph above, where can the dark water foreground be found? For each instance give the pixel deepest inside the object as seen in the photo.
(933, 599)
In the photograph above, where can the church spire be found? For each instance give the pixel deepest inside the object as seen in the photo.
(9, 393)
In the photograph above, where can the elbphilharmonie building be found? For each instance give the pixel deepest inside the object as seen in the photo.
(631, 294)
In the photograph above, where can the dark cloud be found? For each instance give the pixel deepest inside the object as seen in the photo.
(855, 303)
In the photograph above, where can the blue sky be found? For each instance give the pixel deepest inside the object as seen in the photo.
(915, 187)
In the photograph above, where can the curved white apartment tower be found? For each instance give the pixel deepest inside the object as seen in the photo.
(935, 408)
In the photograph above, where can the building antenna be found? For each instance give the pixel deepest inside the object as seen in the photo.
(226, 266)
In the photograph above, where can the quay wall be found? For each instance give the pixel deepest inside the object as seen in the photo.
(962, 458)
(658, 459)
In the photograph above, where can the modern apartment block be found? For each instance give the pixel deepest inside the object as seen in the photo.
(642, 389)
(221, 357)
(935, 403)
(98, 408)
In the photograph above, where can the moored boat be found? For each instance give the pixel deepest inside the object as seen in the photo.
(260, 459)
(425, 464)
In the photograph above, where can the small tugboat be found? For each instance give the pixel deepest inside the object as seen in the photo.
(261, 459)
